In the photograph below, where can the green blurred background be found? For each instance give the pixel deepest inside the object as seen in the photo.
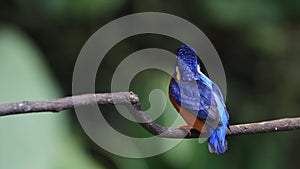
(258, 42)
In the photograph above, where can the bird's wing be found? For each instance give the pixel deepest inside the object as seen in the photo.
(218, 105)
(196, 97)
(220, 98)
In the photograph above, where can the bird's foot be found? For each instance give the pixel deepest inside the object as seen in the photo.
(187, 128)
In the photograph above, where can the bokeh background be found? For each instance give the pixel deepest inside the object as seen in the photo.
(258, 42)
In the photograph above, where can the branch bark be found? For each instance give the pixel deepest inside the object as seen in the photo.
(129, 98)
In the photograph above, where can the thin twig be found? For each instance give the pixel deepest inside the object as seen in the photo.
(130, 98)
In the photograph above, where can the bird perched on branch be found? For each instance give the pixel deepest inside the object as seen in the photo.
(198, 100)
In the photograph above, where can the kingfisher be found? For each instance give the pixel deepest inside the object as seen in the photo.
(198, 100)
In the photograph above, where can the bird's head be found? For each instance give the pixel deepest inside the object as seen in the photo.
(187, 67)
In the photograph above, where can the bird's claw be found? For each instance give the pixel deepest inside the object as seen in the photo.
(187, 129)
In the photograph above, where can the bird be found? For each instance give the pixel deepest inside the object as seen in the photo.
(198, 100)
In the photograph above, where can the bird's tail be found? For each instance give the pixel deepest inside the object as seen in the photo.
(217, 142)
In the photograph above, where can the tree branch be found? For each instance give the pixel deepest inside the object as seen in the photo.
(129, 98)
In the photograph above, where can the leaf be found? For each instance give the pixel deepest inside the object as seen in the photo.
(39, 140)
